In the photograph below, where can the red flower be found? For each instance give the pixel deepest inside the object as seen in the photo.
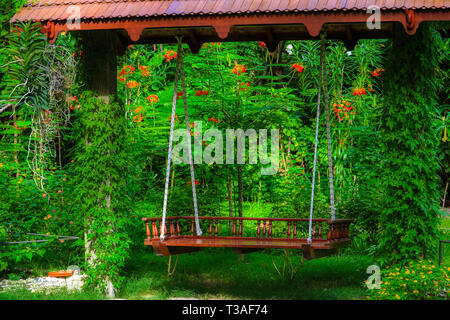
(359, 91)
(244, 85)
(342, 110)
(262, 44)
(132, 84)
(213, 119)
(138, 118)
(153, 98)
(196, 183)
(170, 54)
(127, 70)
(144, 70)
(376, 73)
(239, 69)
(298, 67)
(200, 92)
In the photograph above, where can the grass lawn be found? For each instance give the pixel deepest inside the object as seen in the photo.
(221, 274)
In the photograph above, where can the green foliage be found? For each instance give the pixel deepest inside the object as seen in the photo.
(409, 144)
(24, 208)
(100, 164)
(417, 280)
(25, 78)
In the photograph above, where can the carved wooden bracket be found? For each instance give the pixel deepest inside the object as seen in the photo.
(314, 27)
(134, 33)
(50, 30)
(222, 30)
(411, 22)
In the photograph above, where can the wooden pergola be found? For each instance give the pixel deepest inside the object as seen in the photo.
(109, 26)
(200, 21)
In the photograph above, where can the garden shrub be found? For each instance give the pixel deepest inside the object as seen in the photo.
(417, 280)
(100, 167)
(409, 217)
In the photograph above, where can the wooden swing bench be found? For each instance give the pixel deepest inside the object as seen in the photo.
(264, 233)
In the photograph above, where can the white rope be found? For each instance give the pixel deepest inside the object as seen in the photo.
(327, 108)
(169, 157)
(315, 156)
(191, 162)
(323, 86)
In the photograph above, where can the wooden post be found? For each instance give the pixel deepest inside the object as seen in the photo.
(100, 62)
(99, 75)
(270, 228)
(154, 229)
(147, 230)
(258, 231)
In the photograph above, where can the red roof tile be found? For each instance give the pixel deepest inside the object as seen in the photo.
(112, 9)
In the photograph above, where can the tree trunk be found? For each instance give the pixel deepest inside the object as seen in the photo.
(230, 195)
(100, 76)
(16, 141)
(445, 195)
(240, 191)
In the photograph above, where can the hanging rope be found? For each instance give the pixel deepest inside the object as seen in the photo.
(315, 147)
(188, 134)
(179, 68)
(327, 108)
(169, 157)
(323, 90)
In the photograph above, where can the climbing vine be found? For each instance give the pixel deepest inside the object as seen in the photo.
(99, 132)
(409, 142)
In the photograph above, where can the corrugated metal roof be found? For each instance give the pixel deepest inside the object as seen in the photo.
(56, 10)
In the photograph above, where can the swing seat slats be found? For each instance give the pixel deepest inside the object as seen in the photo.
(245, 235)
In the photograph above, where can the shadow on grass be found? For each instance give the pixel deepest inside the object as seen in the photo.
(219, 274)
